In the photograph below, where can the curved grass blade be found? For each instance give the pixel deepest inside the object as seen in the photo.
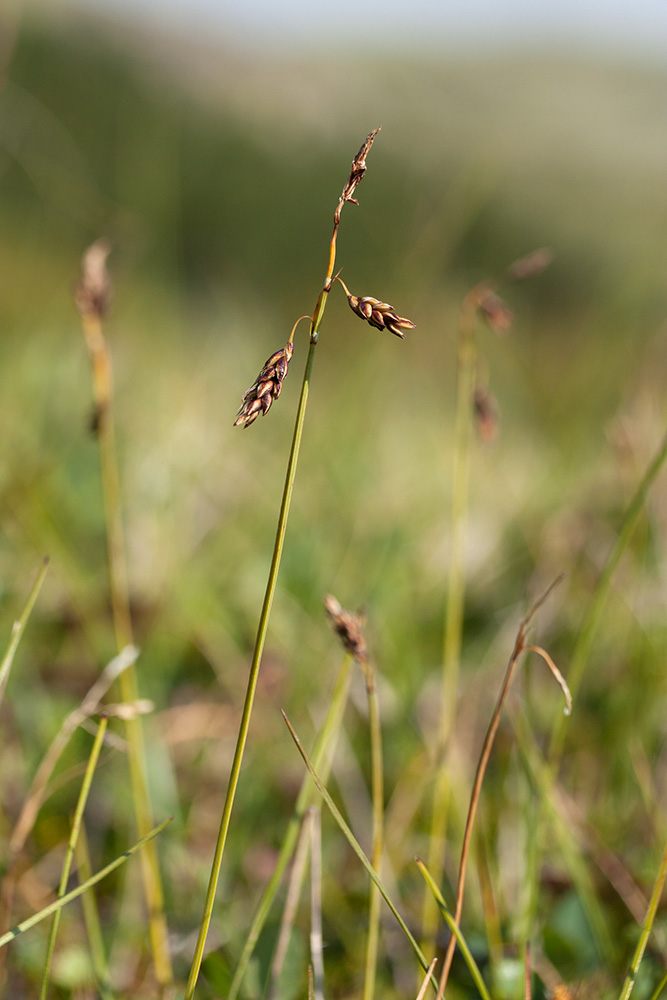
(74, 836)
(58, 904)
(454, 928)
(354, 844)
(18, 627)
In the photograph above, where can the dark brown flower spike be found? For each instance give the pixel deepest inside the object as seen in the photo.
(93, 290)
(379, 314)
(266, 387)
(357, 172)
(348, 627)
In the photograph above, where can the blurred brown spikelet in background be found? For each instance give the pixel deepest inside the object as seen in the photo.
(530, 265)
(497, 313)
(92, 293)
(266, 387)
(348, 627)
(486, 414)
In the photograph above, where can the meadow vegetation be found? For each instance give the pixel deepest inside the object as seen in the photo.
(214, 177)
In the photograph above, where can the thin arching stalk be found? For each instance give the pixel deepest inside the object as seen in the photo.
(519, 647)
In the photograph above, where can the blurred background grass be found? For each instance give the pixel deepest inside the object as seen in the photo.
(214, 171)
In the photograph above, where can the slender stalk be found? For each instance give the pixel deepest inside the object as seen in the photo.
(631, 977)
(451, 656)
(91, 918)
(586, 637)
(356, 175)
(593, 617)
(659, 988)
(252, 679)
(356, 847)
(316, 934)
(18, 628)
(519, 647)
(69, 854)
(454, 928)
(322, 759)
(295, 883)
(377, 798)
(93, 296)
(58, 904)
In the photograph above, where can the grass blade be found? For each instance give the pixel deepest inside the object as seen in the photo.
(354, 844)
(58, 904)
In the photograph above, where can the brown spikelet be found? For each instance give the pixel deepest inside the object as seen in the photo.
(357, 172)
(266, 387)
(497, 313)
(486, 414)
(348, 627)
(533, 263)
(92, 293)
(379, 314)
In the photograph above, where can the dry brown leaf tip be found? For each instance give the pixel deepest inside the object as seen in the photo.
(266, 387)
(92, 293)
(348, 627)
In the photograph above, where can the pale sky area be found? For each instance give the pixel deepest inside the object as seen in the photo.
(637, 29)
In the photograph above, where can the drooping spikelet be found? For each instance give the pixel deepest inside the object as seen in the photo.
(348, 627)
(266, 387)
(379, 314)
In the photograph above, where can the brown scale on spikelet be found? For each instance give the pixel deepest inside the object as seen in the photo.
(379, 314)
(266, 387)
(348, 627)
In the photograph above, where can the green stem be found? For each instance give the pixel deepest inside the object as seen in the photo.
(122, 621)
(377, 797)
(19, 627)
(354, 844)
(58, 904)
(467, 366)
(69, 854)
(322, 759)
(590, 625)
(629, 983)
(254, 672)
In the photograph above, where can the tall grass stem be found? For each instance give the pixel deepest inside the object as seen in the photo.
(122, 621)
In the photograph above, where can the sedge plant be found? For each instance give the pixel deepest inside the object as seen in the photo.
(257, 401)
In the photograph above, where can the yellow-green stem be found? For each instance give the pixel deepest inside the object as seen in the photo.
(92, 921)
(254, 674)
(631, 977)
(467, 364)
(322, 760)
(377, 798)
(120, 605)
(69, 854)
(18, 628)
